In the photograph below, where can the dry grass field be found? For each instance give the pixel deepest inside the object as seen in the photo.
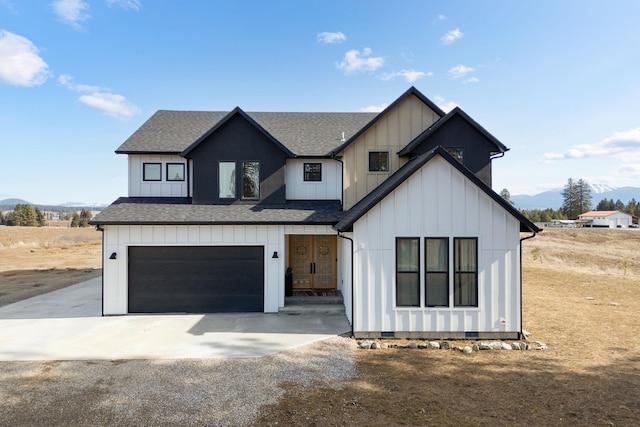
(34, 260)
(581, 296)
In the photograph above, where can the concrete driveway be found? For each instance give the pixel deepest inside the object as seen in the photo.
(67, 325)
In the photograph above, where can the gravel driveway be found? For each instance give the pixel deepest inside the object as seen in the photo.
(227, 392)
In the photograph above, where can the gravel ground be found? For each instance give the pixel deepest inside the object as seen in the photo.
(216, 392)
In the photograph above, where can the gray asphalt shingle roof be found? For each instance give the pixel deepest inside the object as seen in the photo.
(180, 211)
(304, 134)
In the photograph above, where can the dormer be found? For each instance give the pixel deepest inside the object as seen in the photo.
(464, 139)
(237, 161)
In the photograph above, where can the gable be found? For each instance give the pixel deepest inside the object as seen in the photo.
(418, 164)
(232, 143)
(392, 130)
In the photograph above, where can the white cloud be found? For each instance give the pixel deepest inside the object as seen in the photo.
(100, 98)
(445, 105)
(459, 71)
(330, 38)
(409, 75)
(624, 145)
(452, 36)
(126, 4)
(471, 80)
(71, 12)
(110, 103)
(68, 82)
(356, 62)
(373, 108)
(442, 17)
(20, 64)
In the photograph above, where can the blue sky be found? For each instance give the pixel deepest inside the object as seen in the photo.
(558, 82)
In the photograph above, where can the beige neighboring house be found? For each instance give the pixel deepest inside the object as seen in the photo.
(606, 219)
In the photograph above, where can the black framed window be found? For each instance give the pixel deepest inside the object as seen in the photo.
(251, 180)
(436, 254)
(407, 272)
(227, 180)
(313, 171)
(465, 275)
(456, 152)
(175, 171)
(152, 171)
(378, 161)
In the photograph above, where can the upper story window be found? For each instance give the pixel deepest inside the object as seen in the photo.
(456, 153)
(227, 180)
(175, 171)
(313, 171)
(378, 161)
(152, 171)
(251, 180)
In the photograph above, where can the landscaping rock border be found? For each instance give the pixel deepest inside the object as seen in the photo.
(446, 345)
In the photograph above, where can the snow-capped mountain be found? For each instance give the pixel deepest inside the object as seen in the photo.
(553, 198)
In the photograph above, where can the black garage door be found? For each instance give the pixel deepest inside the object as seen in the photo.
(196, 279)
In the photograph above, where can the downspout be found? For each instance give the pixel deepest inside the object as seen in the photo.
(353, 314)
(98, 228)
(522, 240)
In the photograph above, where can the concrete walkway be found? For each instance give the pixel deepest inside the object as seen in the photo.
(67, 325)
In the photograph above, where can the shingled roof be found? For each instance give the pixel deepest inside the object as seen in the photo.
(304, 134)
(180, 211)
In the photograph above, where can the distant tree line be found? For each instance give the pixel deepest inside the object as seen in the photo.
(30, 216)
(24, 215)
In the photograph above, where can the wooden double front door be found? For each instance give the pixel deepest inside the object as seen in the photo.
(313, 261)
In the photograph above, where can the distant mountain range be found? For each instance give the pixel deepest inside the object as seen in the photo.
(553, 199)
(10, 204)
(549, 199)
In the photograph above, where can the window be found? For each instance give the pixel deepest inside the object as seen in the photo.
(175, 171)
(437, 272)
(250, 180)
(378, 161)
(465, 280)
(152, 171)
(456, 153)
(227, 180)
(407, 272)
(313, 171)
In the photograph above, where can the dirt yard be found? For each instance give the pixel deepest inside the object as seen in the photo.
(581, 297)
(35, 260)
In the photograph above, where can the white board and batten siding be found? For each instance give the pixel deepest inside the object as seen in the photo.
(329, 188)
(437, 201)
(118, 238)
(140, 188)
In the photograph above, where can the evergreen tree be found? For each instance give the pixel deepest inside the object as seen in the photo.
(506, 196)
(1, 218)
(569, 200)
(619, 206)
(583, 193)
(605, 205)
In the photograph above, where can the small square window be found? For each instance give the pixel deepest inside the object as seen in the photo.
(456, 152)
(313, 171)
(175, 171)
(378, 161)
(152, 171)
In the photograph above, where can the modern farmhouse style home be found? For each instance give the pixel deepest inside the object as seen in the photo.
(232, 211)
